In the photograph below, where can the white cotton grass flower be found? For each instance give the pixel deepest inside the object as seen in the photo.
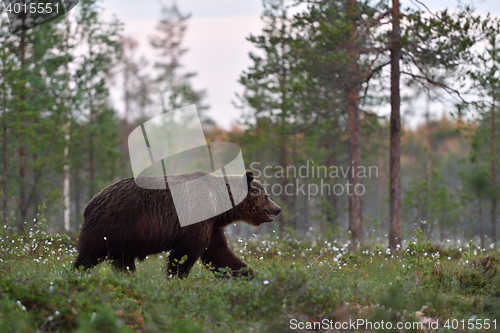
(21, 305)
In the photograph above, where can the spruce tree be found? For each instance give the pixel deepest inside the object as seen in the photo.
(173, 85)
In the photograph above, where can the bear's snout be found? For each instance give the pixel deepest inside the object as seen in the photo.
(275, 209)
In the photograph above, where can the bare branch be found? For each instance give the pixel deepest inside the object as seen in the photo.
(442, 85)
(423, 5)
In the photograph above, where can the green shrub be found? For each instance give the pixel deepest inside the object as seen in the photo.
(480, 276)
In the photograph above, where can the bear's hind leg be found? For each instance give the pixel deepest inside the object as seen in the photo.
(124, 262)
(87, 261)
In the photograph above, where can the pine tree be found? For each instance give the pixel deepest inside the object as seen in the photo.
(36, 119)
(336, 49)
(395, 232)
(102, 46)
(10, 72)
(486, 77)
(174, 87)
(269, 99)
(433, 51)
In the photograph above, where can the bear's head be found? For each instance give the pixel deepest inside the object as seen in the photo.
(257, 208)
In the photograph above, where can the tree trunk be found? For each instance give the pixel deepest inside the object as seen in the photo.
(66, 131)
(76, 190)
(381, 189)
(293, 200)
(91, 157)
(424, 221)
(494, 200)
(335, 199)
(22, 149)
(284, 182)
(66, 181)
(332, 161)
(126, 101)
(441, 228)
(355, 212)
(4, 142)
(126, 92)
(91, 136)
(283, 139)
(395, 132)
(91, 150)
(481, 233)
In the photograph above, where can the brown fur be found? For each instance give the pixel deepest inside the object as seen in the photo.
(124, 222)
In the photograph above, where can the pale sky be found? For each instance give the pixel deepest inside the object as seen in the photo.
(218, 50)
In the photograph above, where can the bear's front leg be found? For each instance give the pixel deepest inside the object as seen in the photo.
(219, 256)
(181, 260)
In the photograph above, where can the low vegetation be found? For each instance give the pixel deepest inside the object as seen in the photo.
(295, 280)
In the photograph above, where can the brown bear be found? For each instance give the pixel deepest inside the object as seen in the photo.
(124, 222)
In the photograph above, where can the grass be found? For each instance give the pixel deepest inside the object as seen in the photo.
(39, 290)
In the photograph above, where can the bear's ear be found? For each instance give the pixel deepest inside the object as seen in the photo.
(250, 177)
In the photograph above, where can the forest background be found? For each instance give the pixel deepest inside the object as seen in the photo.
(323, 76)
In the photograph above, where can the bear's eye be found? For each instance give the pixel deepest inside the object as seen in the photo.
(267, 197)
